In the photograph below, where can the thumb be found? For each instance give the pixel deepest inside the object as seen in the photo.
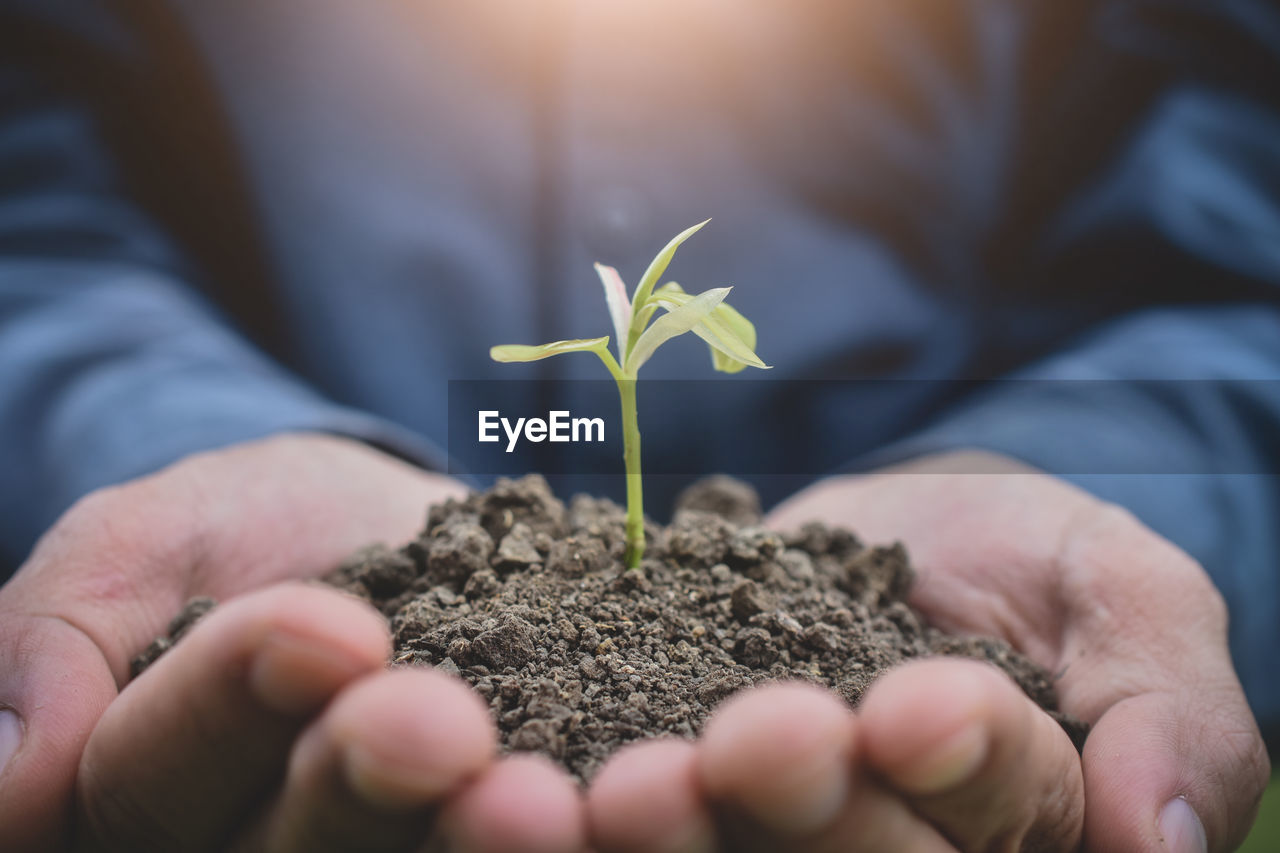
(1176, 771)
(1175, 761)
(69, 620)
(54, 684)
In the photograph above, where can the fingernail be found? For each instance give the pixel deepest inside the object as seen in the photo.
(392, 786)
(293, 676)
(1181, 828)
(953, 761)
(10, 735)
(809, 795)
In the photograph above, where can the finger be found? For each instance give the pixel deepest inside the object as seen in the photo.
(870, 820)
(782, 754)
(1175, 760)
(371, 773)
(1172, 772)
(186, 749)
(647, 799)
(777, 765)
(522, 803)
(974, 756)
(54, 684)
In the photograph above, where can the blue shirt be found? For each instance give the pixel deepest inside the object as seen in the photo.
(224, 220)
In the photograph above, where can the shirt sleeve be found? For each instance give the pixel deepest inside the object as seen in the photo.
(112, 363)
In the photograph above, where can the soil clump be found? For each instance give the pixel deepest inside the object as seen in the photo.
(528, 600)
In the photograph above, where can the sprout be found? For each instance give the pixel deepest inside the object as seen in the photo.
(731, 337)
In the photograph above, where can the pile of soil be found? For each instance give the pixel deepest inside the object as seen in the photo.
(529, 601)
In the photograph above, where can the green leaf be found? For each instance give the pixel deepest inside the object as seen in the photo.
(615, 294)
(677, 321)
(519, 352)
(656, 268)
(640, 319)
(739, 332)
(731, 336)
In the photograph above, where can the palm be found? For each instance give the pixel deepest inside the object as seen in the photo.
(1131, 625)
(260, 708)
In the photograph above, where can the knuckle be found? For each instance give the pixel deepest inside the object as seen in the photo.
(97, 515)
(1251, 756)
(1240, 769)
(1213, 604)
(94, 542)
(125, 519)
(117, 537)
(1116, 566)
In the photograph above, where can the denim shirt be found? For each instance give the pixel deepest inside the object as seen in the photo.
(956, 224)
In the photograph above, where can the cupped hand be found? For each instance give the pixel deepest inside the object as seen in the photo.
(275, 724)
(949, 755)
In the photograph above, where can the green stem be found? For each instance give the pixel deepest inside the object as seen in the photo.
(631, 456)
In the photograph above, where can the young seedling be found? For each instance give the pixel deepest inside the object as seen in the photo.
(731, 337)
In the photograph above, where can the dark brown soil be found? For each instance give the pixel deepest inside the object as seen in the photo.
(530, 603)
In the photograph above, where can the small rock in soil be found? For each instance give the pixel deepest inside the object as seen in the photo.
(517, 549)
(732, 500)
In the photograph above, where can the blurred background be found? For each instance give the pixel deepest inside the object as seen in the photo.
(317, 214)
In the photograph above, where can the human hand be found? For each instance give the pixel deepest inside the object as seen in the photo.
(948, 754)
(274, 724)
